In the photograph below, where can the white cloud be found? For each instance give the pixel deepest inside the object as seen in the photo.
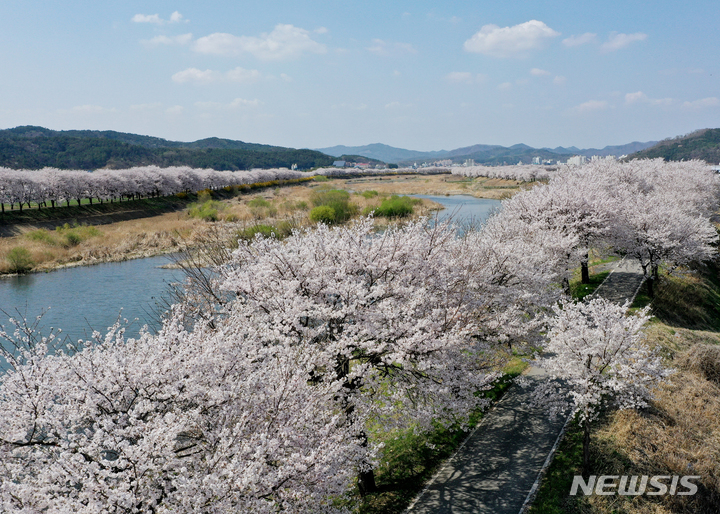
(539, 73)
(516, 41)
(616, 41)
(591, 106)
(465, 77)
(505, 86)
(389, 48)
(241, 102)
(242, 75)
(286, 78)
(146, 107)
(147, 18)
(285, 41)
(175, 17)
(196, 76)
(582, 39)
(640, 97)
(182, 39)
(238, 75)
(559, 80)
(175, 109)
(702, 104)
(321, 30)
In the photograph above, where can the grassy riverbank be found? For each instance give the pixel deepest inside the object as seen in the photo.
(679, 433)
(45, 239)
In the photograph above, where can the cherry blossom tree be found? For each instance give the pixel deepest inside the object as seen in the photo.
(596, 357)
(391, 317)
(202, 421)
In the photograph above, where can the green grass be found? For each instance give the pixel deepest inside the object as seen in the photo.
(395, 207)
(279, 231)
(553, 496)
(409, 459)
(336, 199)
(66, 235)
(19, 260)
(153, 207)
(689, 298)
(580, 291)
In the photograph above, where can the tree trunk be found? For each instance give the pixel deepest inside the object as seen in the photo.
(651, 288)
(366, 482)
(566, 286)
(585, 270)
(586, 450)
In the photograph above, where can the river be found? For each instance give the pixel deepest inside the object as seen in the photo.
(86, 298)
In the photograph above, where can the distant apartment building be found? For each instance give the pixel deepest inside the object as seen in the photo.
(536, 160)
(608, 158)
(469, 162)
(577, 160)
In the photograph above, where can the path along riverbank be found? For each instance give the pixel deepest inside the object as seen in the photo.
(498, 468)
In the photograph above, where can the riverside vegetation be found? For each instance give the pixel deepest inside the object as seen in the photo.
(153, 226)
(349, 341)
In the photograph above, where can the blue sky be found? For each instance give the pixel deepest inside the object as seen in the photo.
(419, 75)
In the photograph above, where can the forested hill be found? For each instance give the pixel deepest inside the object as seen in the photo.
(37, 147)
(702, 144)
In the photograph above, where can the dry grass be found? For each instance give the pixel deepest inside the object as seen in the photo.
(176, 230)
(480, 187)
(679, 434)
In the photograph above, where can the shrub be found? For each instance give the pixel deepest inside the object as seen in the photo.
(72, 235)
(19, 260)
(320, 178)
(72, 239)
(206, 210)
(281, 231)
(369, 194)
(324, 214)
(396, 206)
(41, 235)
(338, 200)
(259, 202)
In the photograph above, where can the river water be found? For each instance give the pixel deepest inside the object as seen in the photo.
(82, 299)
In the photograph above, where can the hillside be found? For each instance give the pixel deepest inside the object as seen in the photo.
(702, 144)
(37, 147)
(482, 154)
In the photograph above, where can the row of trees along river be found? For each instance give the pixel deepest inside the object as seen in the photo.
(263, 392)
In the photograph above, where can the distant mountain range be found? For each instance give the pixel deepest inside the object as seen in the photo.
(31, 147)
(34, 147)
(482, 154)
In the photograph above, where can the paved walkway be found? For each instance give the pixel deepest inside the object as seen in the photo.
(622, 283)
(495, 469)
